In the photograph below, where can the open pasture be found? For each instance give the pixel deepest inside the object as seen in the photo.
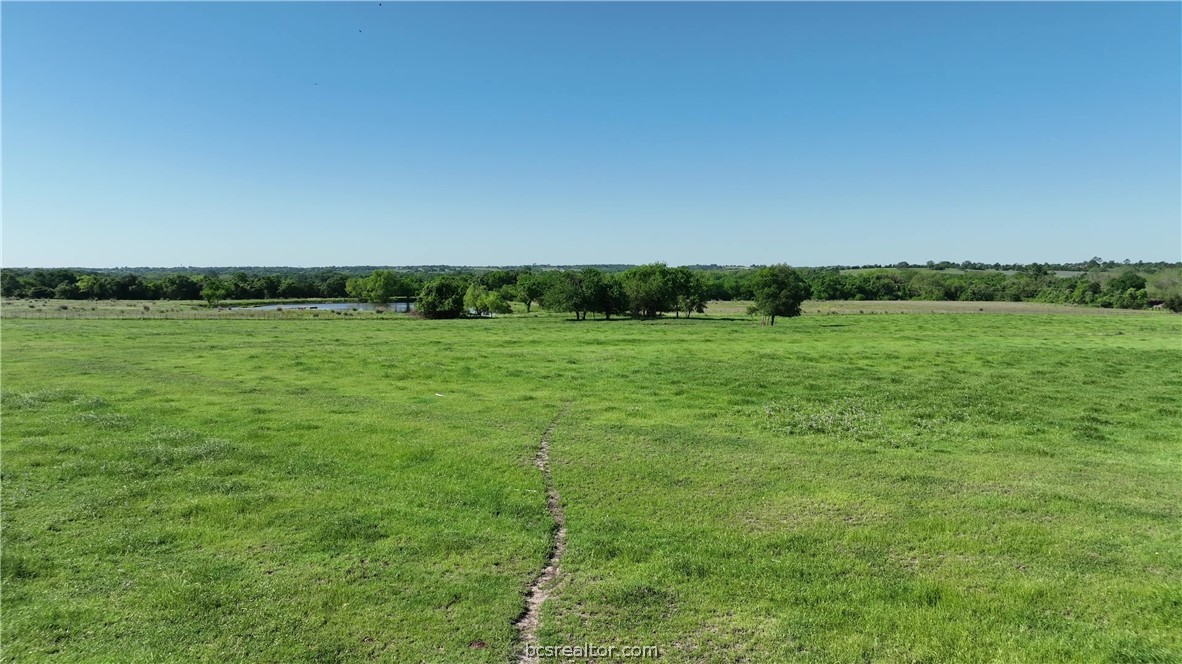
(918, 487)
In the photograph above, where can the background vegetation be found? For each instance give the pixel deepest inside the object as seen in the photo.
(612, 290)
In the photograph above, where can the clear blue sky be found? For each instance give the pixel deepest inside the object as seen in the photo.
(343, 134)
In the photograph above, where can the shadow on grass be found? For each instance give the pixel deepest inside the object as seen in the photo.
(661, 319)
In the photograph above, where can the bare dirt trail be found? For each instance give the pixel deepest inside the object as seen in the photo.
(539, 590)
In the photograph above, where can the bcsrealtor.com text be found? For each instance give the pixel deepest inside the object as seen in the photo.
(592, 650)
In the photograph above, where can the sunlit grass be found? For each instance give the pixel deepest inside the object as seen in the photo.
(893, 488)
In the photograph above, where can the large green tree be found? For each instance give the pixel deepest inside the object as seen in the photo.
(779, 291)
(214, 290)
(180, 287)
(689, 291)
(530, 288)
(483, 302)
(566, 291)
(649, 289)
(381, 286)
(1124, 282)
(442, 297)
(604, 292)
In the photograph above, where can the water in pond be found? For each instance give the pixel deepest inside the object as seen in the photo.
(399, 307)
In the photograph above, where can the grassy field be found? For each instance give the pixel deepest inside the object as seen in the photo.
(988, 487)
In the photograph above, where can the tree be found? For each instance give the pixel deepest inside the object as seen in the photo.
(214, 290)
(242, 286)
(474, 297)
(495, 303)
(689, 293)
(130, 287)
(10, 284)
(268, 285)
(604, 293)
(442, 297)
(95, 287)
(179, 287)
(1036, 270)
(1124, 282)
(291, 287)
(408, 287)
(355, 287)
(648, 289)
(832, 285)
(483, 302)
(381, 286)
(495, 279)
(67, 290)
(779, 291)
(530, 287)
(565, 291)
(929, 286)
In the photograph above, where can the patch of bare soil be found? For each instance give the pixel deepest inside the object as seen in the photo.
(539, 590)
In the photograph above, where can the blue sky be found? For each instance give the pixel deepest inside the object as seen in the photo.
(351, 133)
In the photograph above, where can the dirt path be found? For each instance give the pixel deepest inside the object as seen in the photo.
(539, 590)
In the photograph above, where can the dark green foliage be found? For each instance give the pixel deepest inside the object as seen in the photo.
(179, 287)
(689, 292)
(779, 291)
(215, 290)
(566, 292)
(67, 290)
(605, 293)
(589, 290)
(529, 289)
(1128, 280)
(831, 285)
(442, 297)
(497, 279)
(649, 289)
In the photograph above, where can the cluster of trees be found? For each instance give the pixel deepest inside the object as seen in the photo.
(646, 290)
(383, 286)
(240, 285)
(1125, 291)
(1033, 283)
(1094, 263)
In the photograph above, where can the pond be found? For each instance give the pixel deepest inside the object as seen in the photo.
(398, 307)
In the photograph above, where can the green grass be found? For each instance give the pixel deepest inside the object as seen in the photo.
(920, 487)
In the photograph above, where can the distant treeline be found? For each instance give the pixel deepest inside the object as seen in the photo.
(683, 289)
(78, 285)
(426, 271)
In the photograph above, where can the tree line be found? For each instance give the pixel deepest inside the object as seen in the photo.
(645, 290)
(75, 285)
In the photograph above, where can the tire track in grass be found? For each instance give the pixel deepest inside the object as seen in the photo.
(539, 590)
